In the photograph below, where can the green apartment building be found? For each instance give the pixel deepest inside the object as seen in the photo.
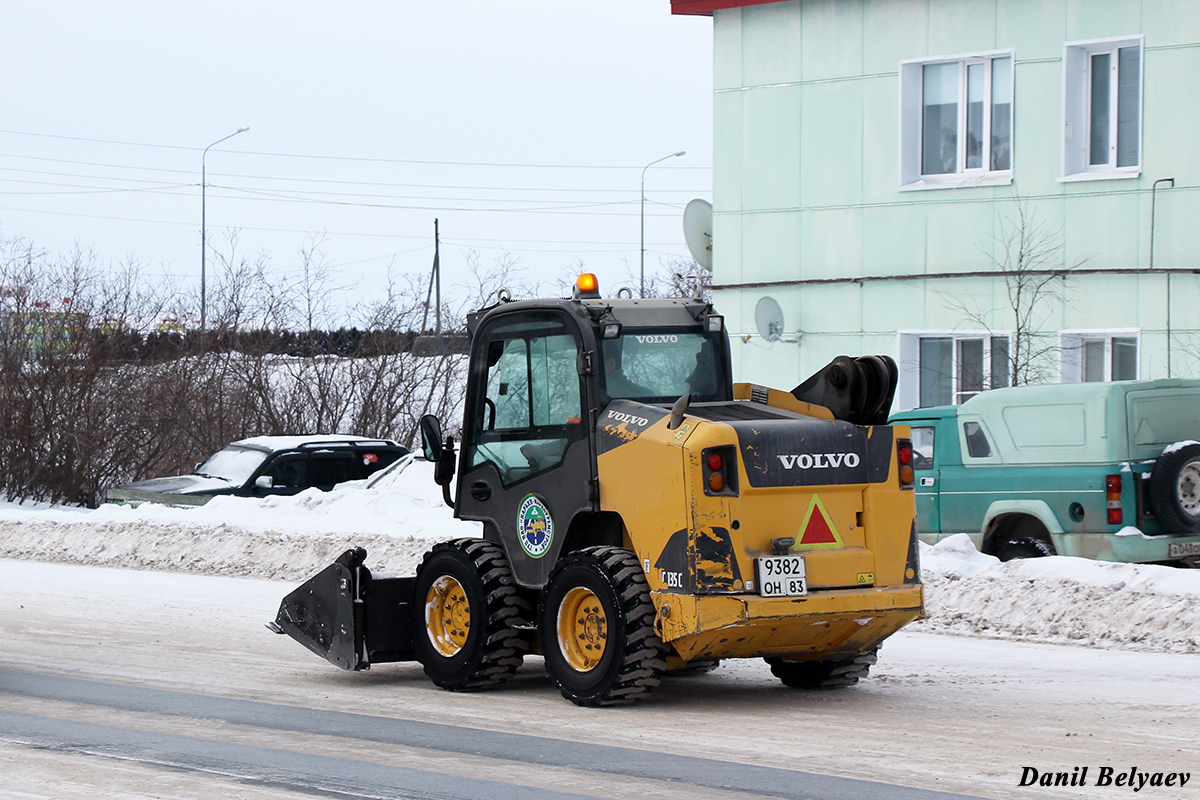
(990, 191)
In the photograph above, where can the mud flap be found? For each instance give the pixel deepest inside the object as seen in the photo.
(348, 616)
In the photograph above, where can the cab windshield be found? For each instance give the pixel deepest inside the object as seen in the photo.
(659, 366)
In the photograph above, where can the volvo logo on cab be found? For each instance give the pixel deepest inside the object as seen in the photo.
(621, 416)
(819, 460)
(661, 338)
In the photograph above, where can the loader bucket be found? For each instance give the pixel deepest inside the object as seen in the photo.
(348, 616)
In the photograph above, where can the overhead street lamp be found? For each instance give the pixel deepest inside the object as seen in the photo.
(643, 250)
(203, 229)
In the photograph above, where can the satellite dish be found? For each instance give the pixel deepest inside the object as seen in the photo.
(697, 231)
(768, 318)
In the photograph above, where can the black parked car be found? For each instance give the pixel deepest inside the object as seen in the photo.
(268, 465)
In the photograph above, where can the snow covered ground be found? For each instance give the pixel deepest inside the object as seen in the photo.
(1052, 600)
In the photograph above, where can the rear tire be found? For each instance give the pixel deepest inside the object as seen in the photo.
(465, 607)
(823, 674)
(597, 626)
(1175, 489)
(1025, 547)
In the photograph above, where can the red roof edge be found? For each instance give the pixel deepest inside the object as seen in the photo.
(706, 7)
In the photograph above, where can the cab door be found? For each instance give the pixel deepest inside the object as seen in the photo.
(527, 466)
(925, 466)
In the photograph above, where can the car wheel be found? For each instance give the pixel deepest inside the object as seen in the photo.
(823, 674)
(468, 616)
(1025, 547)
(597, 626)
(1175, 489)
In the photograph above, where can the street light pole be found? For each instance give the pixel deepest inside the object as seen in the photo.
(203, 230)
(643, 249)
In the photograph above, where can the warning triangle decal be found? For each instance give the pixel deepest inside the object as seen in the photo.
(818, 531)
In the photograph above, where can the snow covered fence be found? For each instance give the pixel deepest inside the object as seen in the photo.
(1055, 600)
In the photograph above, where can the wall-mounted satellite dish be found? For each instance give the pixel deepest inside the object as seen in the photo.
(697, 231)
(768, 318)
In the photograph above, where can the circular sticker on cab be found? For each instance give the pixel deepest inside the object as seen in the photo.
(535, 527)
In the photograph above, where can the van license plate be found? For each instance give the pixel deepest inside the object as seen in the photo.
(1184, 549)
(780, 576)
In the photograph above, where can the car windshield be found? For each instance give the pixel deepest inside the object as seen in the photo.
(234, 464)
(660, 366)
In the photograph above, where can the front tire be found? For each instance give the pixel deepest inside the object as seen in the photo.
(465, 610)
(597, 626)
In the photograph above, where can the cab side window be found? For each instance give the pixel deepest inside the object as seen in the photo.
(531, 405)
(922, 440)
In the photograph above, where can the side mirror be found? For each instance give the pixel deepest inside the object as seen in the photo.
(439, 452)
(264, 482)
(431, 437)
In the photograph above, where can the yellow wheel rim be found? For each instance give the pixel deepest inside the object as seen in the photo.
(447, 615)
(582, 629)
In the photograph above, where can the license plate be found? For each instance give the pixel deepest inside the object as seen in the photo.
(780, 576)
(1184, 549)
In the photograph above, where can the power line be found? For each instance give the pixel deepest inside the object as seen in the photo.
(335, 181)
(348, 158)
(351, 234)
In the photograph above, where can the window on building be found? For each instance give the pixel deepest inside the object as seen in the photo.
(946, 369)
(1102, 109)
(1090, 356)
(956, 121)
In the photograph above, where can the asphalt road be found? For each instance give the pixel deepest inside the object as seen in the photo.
(135, 684)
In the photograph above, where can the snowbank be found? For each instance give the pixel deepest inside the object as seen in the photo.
(395, 519)
(399, 514)
(1060, 599)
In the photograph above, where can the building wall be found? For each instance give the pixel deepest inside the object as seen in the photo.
(807, 105)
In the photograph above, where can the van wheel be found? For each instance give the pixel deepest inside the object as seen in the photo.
(1025, 547)
(597, 626)
(464, 612)
(1175, 489)
(823, 674)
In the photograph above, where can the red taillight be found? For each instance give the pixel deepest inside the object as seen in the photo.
(719, 468)
(1112, 494)
(904, 459)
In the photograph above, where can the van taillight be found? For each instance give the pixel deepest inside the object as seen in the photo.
(904, 457)
(1112, 492)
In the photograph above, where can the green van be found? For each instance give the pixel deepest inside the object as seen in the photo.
(1109, 471)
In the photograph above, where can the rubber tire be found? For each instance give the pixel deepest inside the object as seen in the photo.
(1165, 501)
(494, 647)
(635, 657)
(1024, 547)
(823, 674)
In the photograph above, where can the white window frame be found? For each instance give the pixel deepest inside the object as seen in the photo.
(1070, 349)
(1076, 130)
(911, 96)
(908, 346)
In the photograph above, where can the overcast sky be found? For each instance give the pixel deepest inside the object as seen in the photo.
(522, 126)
